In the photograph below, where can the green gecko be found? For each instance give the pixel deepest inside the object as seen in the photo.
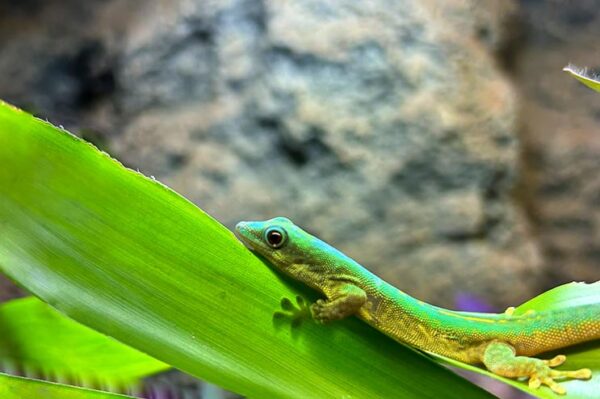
(503, 343)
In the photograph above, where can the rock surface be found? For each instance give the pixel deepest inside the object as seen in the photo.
(385, 128)
(561, 137)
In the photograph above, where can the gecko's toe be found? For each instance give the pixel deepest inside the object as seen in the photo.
(534, 382)
(295, 313)
(583, 374)
(556, 388)
(287, 305)
(547, 376)
(279, 315)
(555, 361)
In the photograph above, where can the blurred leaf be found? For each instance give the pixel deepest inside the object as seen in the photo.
(129, 257)
(564, 296)
(580, 356)
(583, 76)
(12, 387)
(37, 339)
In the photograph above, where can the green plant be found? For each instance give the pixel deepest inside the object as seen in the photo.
(12, 387)
(39, 340)
(125, 255)
(583, 76)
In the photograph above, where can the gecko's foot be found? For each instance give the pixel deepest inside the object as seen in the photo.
(543, 374)
(349, 299)
(324, 312)
(500, 358)
(296, 313)
(320, 311)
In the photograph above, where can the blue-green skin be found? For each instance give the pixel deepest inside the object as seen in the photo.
(503, 342)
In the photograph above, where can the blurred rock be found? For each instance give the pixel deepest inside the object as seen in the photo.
(386, 128)
(561, 136)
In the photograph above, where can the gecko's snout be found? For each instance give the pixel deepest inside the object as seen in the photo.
(240, 227)
(244, 233)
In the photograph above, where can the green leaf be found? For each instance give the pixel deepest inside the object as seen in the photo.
(580, 356)
(583, 76)
(12, 387)
(37, 338)
(128, 257)
(564, 296)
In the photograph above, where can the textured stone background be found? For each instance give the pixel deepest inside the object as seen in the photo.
(390, 136)
(437, 142)
(389, 129)
(561, 137)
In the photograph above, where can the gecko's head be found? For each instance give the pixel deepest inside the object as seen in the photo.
(279, 240)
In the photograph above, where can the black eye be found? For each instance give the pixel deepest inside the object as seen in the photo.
(275, 237)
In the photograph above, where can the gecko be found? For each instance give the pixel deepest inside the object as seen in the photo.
(504, 343)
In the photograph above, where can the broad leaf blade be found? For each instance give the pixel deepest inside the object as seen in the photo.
(35, 337)
(583, 76)
(12, 387)
(128, 257)
(563, 296)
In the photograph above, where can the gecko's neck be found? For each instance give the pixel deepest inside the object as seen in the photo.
(331, 264)
(387, 302)
(347, 269)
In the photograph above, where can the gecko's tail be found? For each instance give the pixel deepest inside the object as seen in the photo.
(565, 327)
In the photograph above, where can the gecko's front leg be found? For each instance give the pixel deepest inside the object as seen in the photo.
(344, 300)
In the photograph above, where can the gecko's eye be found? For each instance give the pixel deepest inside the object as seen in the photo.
(275, 237)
